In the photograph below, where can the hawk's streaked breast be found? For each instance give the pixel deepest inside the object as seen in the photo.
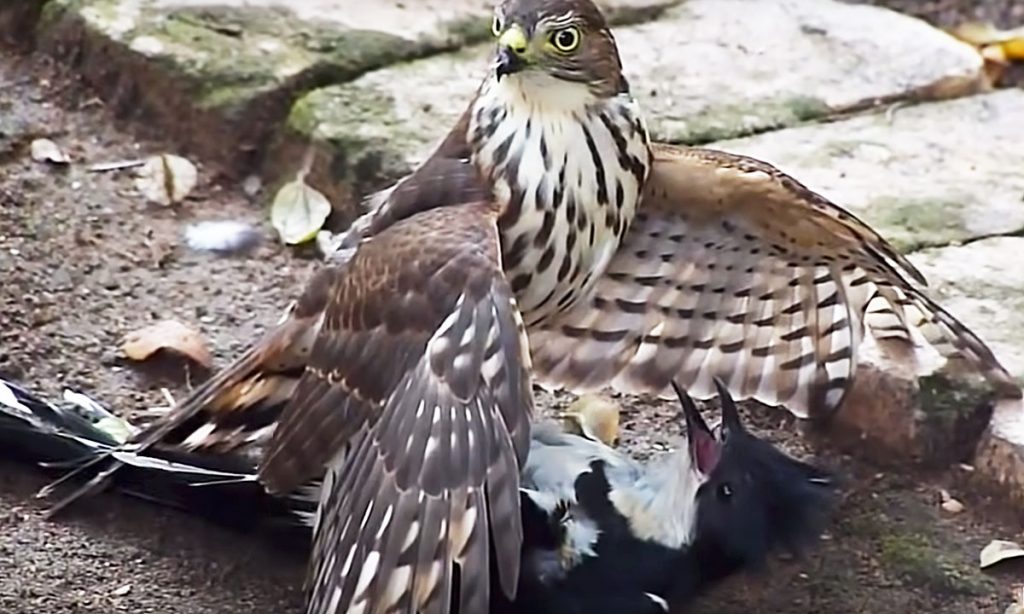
(567, 167)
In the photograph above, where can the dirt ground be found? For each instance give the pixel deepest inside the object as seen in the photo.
(84, 260)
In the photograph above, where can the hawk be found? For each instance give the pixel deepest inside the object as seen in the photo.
(548, 240)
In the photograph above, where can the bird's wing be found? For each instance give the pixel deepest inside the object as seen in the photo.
(240, 405)
(417, 397)
(734, 269)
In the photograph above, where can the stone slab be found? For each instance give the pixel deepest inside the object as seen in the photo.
(418, 19)
(983, 283)
(705, 70)
(926, 175)
(1000, 458)
(216, 78)
(221, 74)
(936, 415)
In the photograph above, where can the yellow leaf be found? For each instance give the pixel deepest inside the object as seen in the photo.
(976, 33)
(995, 44)
(1013, 48)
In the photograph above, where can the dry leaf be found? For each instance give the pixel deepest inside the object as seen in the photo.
(298, 211)
(976, 33)
(166, 179)
(45, 150)
(953, 506)
(950, 504)
(168, 335)
(998, 47)
(1014, 47)
(998, 551)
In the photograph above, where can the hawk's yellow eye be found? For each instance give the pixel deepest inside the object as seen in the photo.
(565, 39)
(497, 26)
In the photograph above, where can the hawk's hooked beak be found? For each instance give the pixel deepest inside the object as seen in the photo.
(512, 47)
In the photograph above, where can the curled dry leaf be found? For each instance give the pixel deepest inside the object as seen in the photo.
(998, 551)
(593, 416)
(166, 179)
(298, 211)
(45, 150)
(169, 335)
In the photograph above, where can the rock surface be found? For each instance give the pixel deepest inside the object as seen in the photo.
(983, 283)
(234, 67)
(937, 415)
(924, 175)
(920, 186)
(705, 70)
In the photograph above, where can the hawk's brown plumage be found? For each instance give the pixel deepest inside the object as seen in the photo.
(403, 368)
(734, 269)
(418, 389)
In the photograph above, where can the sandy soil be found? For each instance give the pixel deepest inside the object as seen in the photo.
(85, 260)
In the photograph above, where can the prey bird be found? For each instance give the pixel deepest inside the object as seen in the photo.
(603, 532)
(545, 240)
(625, 536)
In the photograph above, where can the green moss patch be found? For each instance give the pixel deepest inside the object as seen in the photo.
(914, 224)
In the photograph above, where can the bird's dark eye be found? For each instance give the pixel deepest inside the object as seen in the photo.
(566, 39)
(724, 491)
(497, 26)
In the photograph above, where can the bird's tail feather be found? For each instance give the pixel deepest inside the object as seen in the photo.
(73, 435)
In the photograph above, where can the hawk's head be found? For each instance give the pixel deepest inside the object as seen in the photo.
(567, 40)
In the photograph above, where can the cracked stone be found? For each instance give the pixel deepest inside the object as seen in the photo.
(931, 415)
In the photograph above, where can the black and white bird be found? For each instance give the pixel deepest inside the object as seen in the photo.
(625, 536)
(603, 532)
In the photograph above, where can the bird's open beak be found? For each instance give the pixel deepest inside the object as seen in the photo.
(512, 47)
(705, 448)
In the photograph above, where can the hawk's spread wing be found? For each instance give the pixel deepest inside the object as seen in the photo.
(240, 405)
(734, 269)
(417, 397)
